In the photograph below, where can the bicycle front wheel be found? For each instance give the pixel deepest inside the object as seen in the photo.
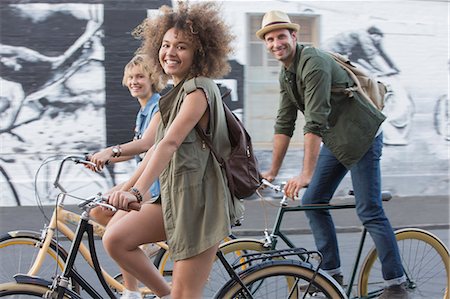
(18, 252)
(282, 279)
(425, 261)
(21, 291)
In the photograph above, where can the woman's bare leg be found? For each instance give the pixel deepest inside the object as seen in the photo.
(104, 216)
(123, 237)
(190, 275)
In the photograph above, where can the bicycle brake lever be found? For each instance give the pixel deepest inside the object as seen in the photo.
(85, 161)
(108, 206)
(270, 185)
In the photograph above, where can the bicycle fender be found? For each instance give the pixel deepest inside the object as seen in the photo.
(24, 233)
(34, 280)
(26, 279)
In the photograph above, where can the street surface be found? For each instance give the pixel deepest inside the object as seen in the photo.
(430, 213)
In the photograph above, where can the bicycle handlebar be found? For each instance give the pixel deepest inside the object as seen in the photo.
(100, 200)
(385, 195)
(278, 188)
(75, 158)
(97, 200)
(266, 183)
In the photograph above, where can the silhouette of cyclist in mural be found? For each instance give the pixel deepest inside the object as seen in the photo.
(365, 49)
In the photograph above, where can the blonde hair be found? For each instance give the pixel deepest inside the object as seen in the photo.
(144, 62)
(202, 24)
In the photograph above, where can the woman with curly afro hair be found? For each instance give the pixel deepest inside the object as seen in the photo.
(189, 45)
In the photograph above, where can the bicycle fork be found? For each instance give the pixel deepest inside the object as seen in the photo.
(61, 284)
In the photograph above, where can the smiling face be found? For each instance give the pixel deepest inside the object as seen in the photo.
(176, 54)
(281, 43)
(138, 83)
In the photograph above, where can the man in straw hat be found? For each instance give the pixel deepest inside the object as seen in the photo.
(349, 128)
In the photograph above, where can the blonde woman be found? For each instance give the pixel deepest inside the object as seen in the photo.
(145, 86)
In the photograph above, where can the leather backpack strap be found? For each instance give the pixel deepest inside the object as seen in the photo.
(207, 140)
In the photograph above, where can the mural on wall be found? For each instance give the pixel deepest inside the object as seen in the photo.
(408, 52)
(441, 115)
(52, 92)
(365, 49)
(61, 67)
(61, 93)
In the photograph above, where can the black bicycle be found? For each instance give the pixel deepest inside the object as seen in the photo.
(270, 274)
(425, 259)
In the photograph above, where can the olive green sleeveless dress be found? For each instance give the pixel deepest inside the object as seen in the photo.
(197, 206)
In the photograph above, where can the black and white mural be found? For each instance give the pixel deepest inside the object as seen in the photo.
(61, 93)
(54, 98)
(52, 88)
(61, 67)
(365, 49)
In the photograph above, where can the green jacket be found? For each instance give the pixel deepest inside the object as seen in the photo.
(347, 125)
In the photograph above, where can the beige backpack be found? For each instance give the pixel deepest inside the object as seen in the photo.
(369, 87)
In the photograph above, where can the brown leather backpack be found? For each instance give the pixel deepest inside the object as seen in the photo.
(369, 87)
(241, 167)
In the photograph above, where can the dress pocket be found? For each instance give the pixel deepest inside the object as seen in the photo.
(186, 158)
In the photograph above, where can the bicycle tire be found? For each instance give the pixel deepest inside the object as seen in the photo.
(425, 260)
(282, 279)
(19, 250)
(22, 291)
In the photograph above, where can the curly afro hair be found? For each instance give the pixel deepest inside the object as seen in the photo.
(199, 22)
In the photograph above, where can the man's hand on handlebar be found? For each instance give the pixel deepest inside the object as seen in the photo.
(294, 185)
(268, 175)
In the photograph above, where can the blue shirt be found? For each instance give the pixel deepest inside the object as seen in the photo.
(142, 121)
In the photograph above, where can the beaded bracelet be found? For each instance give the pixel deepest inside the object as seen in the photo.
(135, 192)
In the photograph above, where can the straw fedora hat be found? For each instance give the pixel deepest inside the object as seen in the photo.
(274, 20)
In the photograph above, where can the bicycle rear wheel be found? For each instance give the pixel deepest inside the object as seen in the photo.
(425, 261)
(21, 291)
(282, 279)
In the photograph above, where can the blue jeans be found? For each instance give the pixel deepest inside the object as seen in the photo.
(366, 180)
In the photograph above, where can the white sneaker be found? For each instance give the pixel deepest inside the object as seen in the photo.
(150, 249)
(127, 294)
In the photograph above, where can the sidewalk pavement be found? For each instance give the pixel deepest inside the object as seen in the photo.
(431, 212)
